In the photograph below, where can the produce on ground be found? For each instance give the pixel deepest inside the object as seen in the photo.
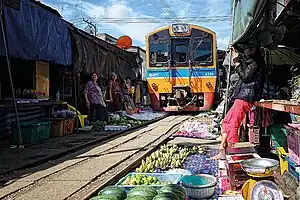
(196, 129)
(166, 196)
(168, 157)
(105, 197)
(113, 192)
(136, 198)
(174, 189)
(168, 192)
(143, 191)
(122, 121)
(141, 179)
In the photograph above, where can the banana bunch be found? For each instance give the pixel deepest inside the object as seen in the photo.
(168, 157)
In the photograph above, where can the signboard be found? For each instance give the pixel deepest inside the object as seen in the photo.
(42, 78)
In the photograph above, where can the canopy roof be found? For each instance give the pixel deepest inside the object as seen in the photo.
(247, 15)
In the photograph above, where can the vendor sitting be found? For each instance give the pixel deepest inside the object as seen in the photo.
(115, 92)
(128, 95)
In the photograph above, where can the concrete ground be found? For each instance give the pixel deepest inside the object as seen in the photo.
(12, 159)
(77, 173)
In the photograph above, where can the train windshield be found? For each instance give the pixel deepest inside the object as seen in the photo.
(202, 50)
(181, 52)
(158, 53)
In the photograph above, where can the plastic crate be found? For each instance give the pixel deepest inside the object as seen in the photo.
(33, 132)
(162, 177)
(293, 144)
(254, 135)
(283, 160)
(279, 136)
(292, 169)
(62, 126)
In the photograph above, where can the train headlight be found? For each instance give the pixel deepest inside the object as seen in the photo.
(154, 86)
(163, 98)
(181, 28)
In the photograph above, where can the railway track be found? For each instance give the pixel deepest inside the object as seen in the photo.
(79, 176)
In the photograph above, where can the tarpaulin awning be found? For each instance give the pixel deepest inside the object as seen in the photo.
(247, 15)
(34, 33)
(92, 54)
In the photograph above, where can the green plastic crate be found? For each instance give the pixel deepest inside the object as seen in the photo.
(33, 132)
(279, 136)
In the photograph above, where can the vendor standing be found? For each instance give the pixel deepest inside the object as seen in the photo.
(250, 67)
(95, 100)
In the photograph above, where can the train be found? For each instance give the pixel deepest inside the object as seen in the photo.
(181, 68)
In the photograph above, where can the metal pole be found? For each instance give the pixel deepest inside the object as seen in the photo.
(20, 141)
(93, 25)
(76, 98)
(230, 64)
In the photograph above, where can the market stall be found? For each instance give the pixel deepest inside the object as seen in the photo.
(38, 120)
(270, 127)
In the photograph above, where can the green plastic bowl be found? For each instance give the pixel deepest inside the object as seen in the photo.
(199, 186)
(198, 181)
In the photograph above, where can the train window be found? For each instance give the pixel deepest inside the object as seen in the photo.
(202, 51)
(158, 53)
(181, 51)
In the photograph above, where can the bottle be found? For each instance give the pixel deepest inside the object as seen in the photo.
(57, 96)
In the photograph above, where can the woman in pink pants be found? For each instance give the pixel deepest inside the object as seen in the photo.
(250, 66)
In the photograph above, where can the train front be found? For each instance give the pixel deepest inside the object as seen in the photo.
(181, 68)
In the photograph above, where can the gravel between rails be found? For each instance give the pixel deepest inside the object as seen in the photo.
(65, 179)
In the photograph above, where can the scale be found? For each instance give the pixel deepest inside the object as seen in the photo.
(237, 176)
(261, 185)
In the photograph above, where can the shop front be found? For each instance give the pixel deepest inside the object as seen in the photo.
(35, 57)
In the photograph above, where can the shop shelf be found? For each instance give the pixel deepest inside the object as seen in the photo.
(283, 106)
(33, 132)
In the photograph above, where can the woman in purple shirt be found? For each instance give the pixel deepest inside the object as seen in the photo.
(94, 100)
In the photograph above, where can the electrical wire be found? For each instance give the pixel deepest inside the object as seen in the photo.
(169, 10)
(156, 21)
(159, 9)
(221, 18)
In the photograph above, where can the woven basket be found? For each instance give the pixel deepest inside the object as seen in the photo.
(202, 191)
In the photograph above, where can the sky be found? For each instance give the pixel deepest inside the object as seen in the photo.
(136, 18)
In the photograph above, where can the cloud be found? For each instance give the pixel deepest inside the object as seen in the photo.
(223, 42)
(119, 11)
(75, 10)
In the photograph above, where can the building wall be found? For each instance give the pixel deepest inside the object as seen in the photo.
(112, 40)
(142, 54)
(107, 38)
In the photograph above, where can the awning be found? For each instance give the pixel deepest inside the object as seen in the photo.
(247, 15)
(34, 33)
(92, 54)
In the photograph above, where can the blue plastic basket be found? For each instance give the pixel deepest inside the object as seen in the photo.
(162, 177)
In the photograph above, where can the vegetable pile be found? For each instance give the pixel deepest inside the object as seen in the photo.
(64, 114)
(168, 157)
(118, 121)
(168, 192)
(141, 179)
